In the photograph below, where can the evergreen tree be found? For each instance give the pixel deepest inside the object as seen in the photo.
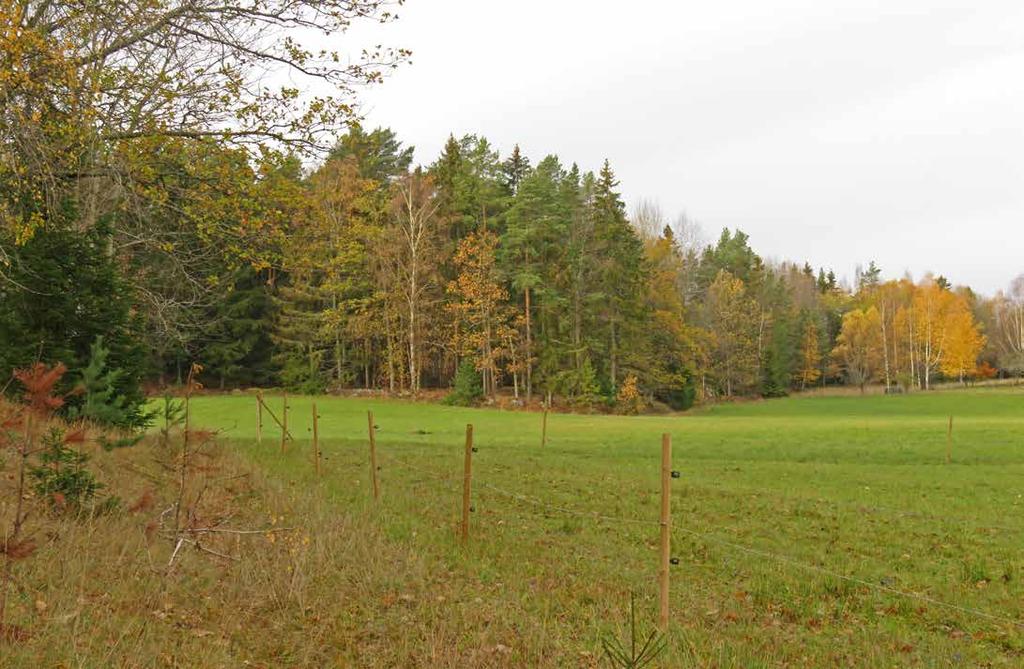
(732, 253)
(531, 251)
(236, 344)
(62, 290)
(515, 169)
(621, 276)
(379, 154)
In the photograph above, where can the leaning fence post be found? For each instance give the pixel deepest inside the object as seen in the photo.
(666, 520)
(284, 420)
(259, 417)
(373, 454)
(467, 479)
(949, 441)
(316, 439)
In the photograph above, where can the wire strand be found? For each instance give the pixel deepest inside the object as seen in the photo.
(851, 579)
(562, 509)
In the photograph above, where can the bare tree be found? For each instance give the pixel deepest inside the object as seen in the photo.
(1008, 333)
(411, 250)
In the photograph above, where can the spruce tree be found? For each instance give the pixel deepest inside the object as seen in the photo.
(64, 289)
(515, 169)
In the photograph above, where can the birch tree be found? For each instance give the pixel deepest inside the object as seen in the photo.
(412, 249)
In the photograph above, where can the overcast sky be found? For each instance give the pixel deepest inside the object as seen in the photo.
(834, 132)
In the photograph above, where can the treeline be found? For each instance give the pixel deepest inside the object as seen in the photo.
(489, 274)
(533, 280)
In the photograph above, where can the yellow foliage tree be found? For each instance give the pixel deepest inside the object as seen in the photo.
(963, 345)
(810, 357)
(858, 350)
(483, 319)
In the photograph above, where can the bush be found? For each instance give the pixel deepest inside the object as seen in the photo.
(62, 477)
(301, 372)
(628, 400)
(102, 403)
(580, 386)
(468, 388)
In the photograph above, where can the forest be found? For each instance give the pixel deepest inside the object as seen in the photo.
(158, 210)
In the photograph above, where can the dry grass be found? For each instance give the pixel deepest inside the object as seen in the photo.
(300, 584)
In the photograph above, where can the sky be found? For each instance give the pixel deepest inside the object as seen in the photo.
(832, 132)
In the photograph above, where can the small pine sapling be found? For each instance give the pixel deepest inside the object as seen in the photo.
(641, 653)
(172, 414)
(102, 404)
(61, 476)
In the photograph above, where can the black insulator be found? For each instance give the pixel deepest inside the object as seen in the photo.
(675, 474)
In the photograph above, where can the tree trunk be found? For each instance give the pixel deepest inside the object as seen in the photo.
(576, 330)
(614, 356)
(885, 349)
(529, 350)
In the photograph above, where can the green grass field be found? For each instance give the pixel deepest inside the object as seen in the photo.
(809, 531)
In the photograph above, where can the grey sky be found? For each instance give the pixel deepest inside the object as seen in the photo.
(836, 132)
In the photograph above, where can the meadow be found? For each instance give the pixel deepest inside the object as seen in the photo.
(824, 531)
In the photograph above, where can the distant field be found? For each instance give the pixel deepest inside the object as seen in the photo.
(778, 501)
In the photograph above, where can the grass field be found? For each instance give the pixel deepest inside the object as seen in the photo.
(810, 531)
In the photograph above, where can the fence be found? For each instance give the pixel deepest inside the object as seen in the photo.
(664, 521)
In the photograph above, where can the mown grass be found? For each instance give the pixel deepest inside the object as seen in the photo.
(818, 488)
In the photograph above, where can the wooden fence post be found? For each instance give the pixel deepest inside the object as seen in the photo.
(316, 439)
(467, 478)
(544, 424)
(259, 417)
(373, 454)
(666, 527)
(949, 441)
(284, 421)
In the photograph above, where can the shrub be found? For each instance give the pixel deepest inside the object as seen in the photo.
(580, 386)
(628, 400)
(61, 476)
(468, 389)
(102, 403)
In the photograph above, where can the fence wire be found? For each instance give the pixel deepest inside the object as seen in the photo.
(433, 475)
(850, 579)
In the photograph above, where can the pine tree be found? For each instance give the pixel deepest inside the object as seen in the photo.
(531, 251)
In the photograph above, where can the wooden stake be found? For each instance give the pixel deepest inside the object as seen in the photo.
(544, 425)
(284, 421)
(259, 417)
(274, 417)
(666, 526)
(949, 442)
(373, 454)
(467, 479)
(316, 439)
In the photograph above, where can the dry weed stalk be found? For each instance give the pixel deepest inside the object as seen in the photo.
(38, 405)
(190, 527)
